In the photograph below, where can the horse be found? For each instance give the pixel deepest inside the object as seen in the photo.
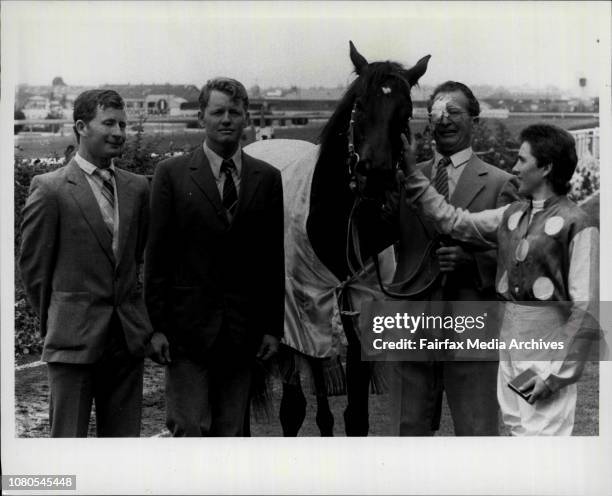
(330, 191)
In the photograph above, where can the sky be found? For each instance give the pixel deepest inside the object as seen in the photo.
(510, 44)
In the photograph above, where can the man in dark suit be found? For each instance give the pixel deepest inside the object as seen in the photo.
(83, 236)
(214, 279)
(447, 271)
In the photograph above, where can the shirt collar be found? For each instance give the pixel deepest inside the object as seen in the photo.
(458, 159)
(542, 204)
(216, 160)
(88, 167)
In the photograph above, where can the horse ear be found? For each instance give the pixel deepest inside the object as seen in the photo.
(357, 59)
(414, 74)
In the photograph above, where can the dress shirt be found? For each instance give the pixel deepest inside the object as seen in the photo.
(459, 160)
(96, 184)
(215, 162)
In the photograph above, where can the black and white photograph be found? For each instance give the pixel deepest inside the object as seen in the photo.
(359, 244)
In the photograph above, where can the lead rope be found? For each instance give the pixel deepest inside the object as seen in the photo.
(353, 241)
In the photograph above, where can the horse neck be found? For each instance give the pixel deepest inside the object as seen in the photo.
(330, 205)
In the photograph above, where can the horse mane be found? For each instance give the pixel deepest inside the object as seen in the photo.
(337, 125)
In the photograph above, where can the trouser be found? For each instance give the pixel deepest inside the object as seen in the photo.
(209, 397)
(416, 396)
(115, 384)
(553, 416)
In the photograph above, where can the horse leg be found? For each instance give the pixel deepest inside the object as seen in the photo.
(358, 375)
(292, 409)
(324, 417)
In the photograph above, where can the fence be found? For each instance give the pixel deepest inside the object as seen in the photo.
(587, 142)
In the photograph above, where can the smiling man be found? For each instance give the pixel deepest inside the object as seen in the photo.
(215, 269)
(83, 235)
(435, 268)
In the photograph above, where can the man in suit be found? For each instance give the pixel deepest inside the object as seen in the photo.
(214, 277)
(83, 236)
(448, 271)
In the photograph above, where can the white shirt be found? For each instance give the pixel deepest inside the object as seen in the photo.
(459, 161)
(95, 182)
(215, 162)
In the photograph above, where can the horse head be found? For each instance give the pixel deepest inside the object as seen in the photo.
(381, 109)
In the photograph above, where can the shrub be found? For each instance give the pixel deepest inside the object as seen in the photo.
(585, 181)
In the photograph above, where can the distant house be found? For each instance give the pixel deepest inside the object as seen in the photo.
(37, 107)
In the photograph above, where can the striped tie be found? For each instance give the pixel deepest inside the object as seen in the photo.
(230, 196)
(108, 194)
(441, 179)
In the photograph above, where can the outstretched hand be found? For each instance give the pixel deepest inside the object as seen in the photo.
(408, 164)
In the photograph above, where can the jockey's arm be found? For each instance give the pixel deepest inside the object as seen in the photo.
(478, 228)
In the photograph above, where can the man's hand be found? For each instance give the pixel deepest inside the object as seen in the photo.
(452, 258)
(159, 349)
(539, 389)
(268, 347)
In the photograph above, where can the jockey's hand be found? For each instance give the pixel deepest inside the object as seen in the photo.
(539, 389)
(159, 349)
(408, 164)
(268, 347)
(452, 258)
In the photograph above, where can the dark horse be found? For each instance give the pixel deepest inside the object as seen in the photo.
(360, 148)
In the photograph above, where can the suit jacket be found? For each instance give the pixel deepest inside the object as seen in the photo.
(69, 271)
(480, 187)
(202, 273)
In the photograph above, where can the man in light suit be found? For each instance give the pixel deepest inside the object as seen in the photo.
(83, 235)
(214, 277)
(448, 271)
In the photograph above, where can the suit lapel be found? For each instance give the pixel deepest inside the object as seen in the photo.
(472, 180)
(126, 202)
(202, 175)
(249, 181)
(85, 199)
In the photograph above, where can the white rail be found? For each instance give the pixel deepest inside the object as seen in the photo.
(587, 142)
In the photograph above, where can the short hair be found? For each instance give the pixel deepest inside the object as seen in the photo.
(553, 145)
(449, 86)
(87, 103)
(235, 90)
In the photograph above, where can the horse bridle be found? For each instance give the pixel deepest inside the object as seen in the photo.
(352, 160)
(353, 157)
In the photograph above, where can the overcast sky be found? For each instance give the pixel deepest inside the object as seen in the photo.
(306, 43)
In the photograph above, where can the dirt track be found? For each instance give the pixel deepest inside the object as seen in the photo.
(31, 408)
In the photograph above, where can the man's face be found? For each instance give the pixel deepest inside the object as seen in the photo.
(451, 122)
(104, 136)
(224, 120)
(531, 177)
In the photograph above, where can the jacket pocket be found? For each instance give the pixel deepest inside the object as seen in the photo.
(67, 319)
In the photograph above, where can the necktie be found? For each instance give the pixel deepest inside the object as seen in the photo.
(441, 179)
(108, 198)
(230, 196)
